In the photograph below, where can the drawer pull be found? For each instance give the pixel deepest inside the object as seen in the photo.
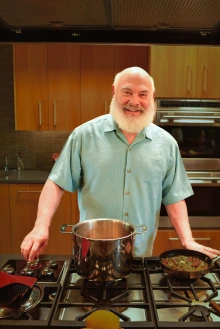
(40, 113)
(29, 191)
(54, 113)
(196, 239)
(106, 107)
(189, 78)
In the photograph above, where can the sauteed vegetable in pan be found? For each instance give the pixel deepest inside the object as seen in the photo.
(185, 263)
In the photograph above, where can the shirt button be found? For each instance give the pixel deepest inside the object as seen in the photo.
(128, 170)
(127, 192)
(129, 149)
(126, 213)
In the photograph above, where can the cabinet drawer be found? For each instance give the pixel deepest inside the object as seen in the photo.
(167, 239)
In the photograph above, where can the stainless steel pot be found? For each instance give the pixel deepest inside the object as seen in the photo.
(103, 248)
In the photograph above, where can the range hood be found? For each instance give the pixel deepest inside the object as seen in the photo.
(111, 21)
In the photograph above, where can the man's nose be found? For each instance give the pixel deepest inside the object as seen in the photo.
(134, 100)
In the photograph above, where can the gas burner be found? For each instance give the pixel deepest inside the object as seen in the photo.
(197, 313)
(191, 285)
(106, 290)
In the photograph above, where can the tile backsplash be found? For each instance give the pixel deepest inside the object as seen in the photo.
(36, 147)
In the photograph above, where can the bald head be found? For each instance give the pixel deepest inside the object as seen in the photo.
(133, 72)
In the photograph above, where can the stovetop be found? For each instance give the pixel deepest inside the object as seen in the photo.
(147, 298)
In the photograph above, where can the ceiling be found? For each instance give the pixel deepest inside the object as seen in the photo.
(111, 21)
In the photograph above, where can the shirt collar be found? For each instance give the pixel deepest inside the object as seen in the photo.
(111, 125)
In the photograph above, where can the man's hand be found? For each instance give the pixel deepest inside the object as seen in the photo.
(205, 250)
(35, 242)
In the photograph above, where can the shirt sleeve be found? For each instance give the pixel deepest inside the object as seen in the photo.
(66, 172)
(176, 185)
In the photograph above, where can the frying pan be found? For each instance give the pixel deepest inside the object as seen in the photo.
(187, 274)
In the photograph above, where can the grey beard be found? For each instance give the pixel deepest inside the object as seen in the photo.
(129, 124)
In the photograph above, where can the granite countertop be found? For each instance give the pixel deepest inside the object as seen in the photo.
(24, 176)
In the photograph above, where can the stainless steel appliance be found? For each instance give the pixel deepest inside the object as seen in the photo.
(147, 298)
(195, 124)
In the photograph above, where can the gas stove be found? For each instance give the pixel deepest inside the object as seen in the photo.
(147, 298)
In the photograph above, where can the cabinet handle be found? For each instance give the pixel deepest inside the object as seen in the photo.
(39, 110)
(205, 79)
(196, 239)
(189, 79)
(54, 113)
(106, 107)
(29, 191)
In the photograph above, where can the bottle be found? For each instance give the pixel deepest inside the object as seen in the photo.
(20, 164)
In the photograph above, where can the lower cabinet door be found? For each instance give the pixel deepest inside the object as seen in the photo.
(5, 232)
(23, 205)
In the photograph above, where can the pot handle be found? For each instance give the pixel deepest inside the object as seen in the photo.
(63, 228)
(143, 227)
(215, 259)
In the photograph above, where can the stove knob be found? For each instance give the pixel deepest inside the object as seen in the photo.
(9, 269)
(27, 271)
(34, 264)
(52, 264)
(47, 272)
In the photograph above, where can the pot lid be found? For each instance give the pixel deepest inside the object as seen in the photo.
(29, 300)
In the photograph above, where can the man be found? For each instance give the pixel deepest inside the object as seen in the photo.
(123, 167)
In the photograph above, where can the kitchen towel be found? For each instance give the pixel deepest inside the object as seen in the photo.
(13, 287)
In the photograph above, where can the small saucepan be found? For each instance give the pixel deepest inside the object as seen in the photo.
(186, 273)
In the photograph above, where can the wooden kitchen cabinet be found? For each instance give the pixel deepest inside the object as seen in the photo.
(208, 72)
(174, 70)
(185, 71)
(99, 65)
(30, 87)
(128, 56)
(167, 239)
(47, 86)
(23, 206)
(96, 80)
(5, 232)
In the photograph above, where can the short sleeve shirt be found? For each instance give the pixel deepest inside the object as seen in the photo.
(122, 181)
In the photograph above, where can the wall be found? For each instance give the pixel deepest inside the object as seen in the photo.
(36, 147)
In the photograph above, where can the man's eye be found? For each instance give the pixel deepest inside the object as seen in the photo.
(144, 95)
(127, 92)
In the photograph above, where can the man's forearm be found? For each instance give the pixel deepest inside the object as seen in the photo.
(178, 216)
(48, 202)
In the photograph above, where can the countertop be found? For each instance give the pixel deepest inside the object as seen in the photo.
(24, 176)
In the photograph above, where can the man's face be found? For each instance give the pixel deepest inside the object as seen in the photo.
(132, 105)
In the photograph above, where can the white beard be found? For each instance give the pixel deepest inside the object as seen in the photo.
(129, 123)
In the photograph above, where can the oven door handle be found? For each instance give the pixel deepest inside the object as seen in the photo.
(190, 117)
(196, 239)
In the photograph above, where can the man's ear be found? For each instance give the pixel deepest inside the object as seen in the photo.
(113, 90)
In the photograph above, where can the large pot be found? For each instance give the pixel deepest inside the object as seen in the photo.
(103, 248)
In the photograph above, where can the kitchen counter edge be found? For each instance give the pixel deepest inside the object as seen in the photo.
(26, 177)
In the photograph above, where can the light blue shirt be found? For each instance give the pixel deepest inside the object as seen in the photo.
(122, 181)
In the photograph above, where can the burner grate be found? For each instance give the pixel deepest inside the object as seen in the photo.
(183, 303)
(127, 298)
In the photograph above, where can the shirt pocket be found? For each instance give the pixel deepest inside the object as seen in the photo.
(151, 170)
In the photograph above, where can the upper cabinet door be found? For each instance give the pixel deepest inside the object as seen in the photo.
(128, 56)
(174, 70)
(208, 74)
(64, 86)
(96, 80)
(30, 86)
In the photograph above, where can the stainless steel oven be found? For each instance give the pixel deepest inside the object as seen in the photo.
(195, 124)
